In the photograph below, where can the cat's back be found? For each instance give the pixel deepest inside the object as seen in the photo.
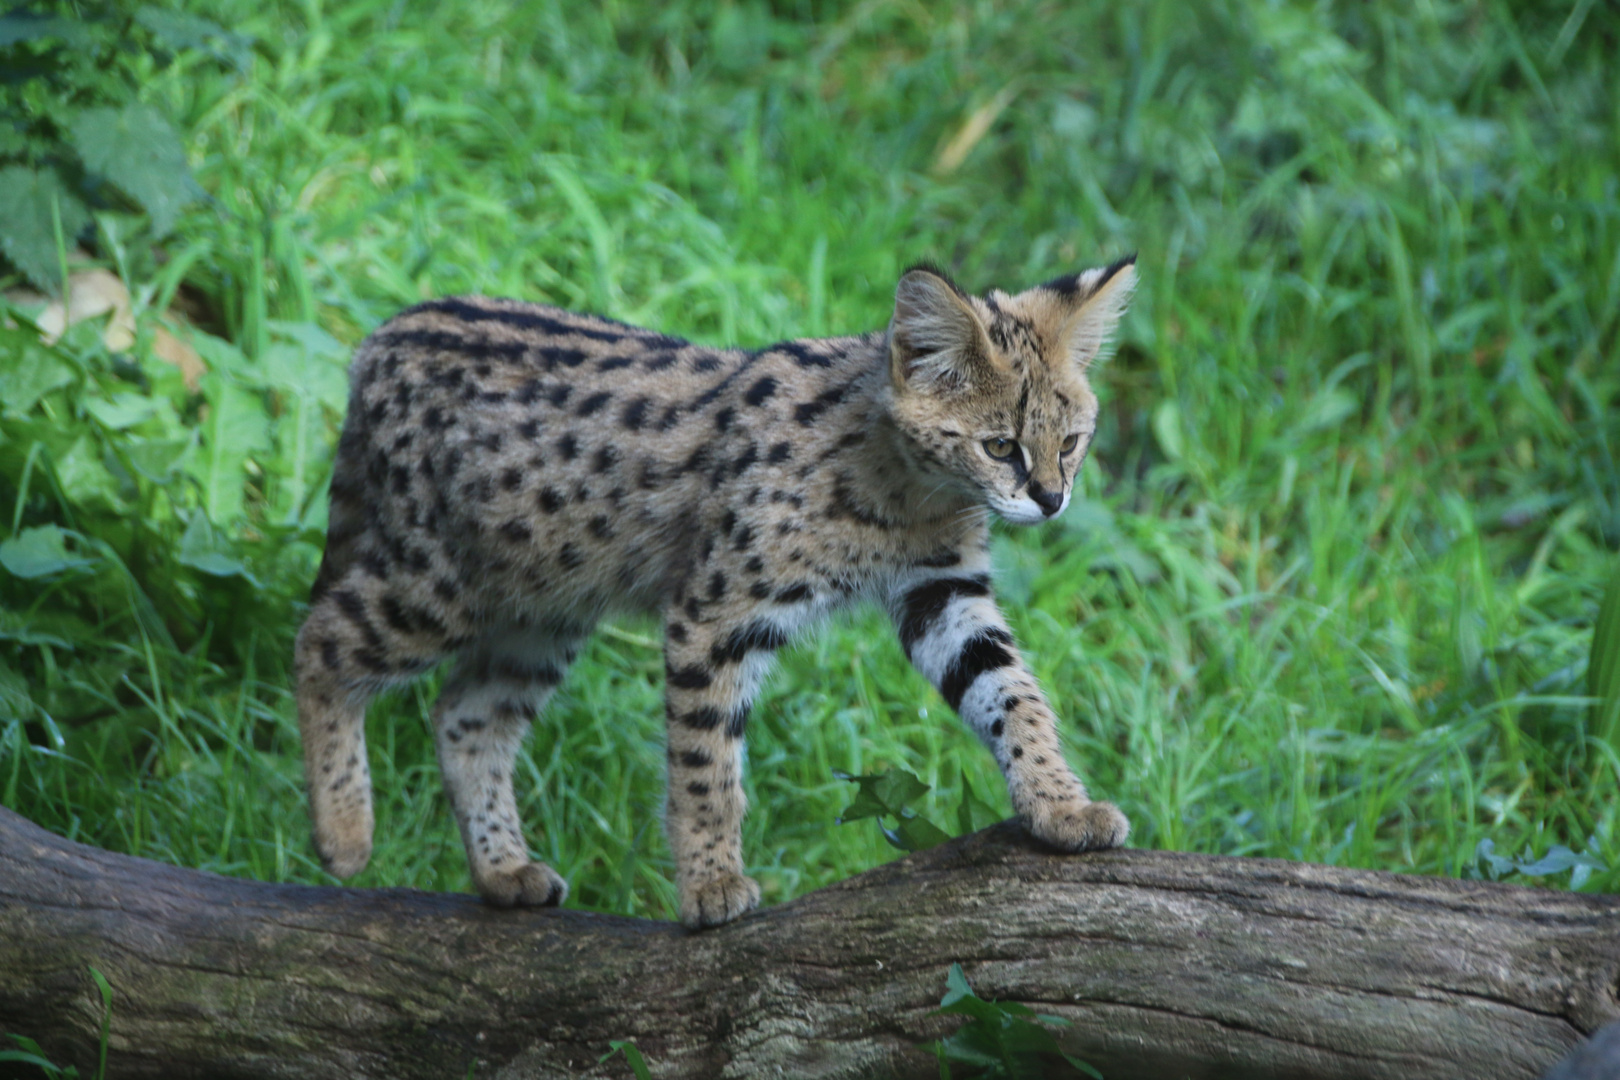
(535, 446)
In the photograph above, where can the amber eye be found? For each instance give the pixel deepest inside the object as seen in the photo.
(1070, 443)
(1000, 449)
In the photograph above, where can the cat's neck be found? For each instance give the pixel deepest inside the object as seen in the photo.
(894, 478)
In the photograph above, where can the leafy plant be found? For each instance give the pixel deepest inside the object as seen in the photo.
(30, 1052)
(74, 135)
(1558, 859)
(1000, 1039)
(638, 1064)
(891, 794)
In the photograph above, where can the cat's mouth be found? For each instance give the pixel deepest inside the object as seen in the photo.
(1024, 510)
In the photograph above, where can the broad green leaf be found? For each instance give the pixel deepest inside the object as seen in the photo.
(28, 371)
(18, 26)
(121, 410)
(179, 31)
(236, 427)
(84, 476)
(39, 552)
(157, 459)
(920, 834)
(972, 813)
(296, 369)
(203, 549)
(1005, 1038)
(56, 629)
(27, 225)
(135, 148)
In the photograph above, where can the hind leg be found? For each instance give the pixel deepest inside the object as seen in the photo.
(332, 697)
(479, 721)
(359, 637)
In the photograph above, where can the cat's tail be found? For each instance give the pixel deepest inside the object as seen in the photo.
(346, 518)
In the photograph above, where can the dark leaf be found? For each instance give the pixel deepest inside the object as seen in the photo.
(136, 149)
(28, 198)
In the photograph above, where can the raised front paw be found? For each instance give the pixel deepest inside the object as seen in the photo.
(1079, 827)
(718, 900)
(530, 885)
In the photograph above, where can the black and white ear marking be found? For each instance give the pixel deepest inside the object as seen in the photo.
(1097, 300)
(936, 339)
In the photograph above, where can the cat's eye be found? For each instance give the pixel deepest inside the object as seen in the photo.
(1000, 449)
(1070, 443)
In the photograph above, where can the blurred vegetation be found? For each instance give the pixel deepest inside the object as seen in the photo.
(1329, 588)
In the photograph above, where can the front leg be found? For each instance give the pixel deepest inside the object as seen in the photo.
(711, 672)
(956, 636)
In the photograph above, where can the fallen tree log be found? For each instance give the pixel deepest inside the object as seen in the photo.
(1166, 964)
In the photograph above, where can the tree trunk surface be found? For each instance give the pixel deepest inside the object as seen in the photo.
(1166, 965)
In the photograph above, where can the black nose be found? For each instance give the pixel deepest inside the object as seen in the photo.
(1048, 501)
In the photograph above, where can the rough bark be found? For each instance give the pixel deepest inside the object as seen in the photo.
(1166, 964)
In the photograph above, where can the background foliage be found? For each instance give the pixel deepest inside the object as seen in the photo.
(1330, 589)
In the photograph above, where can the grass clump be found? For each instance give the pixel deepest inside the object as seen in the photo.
(1328, 586)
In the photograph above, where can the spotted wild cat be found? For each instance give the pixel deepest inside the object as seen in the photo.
(509, 473)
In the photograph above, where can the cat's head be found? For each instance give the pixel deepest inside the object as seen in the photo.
(992, 389)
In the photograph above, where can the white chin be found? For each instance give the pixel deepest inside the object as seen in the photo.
(1018, 513)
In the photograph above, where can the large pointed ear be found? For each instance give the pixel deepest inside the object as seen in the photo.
(1092, 303)
(936, 339)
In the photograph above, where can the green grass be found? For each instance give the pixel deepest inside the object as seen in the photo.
(1329, 591)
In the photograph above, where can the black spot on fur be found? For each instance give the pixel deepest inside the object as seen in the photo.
(635, 413)
(760, 391)
(570, 557)
(593, 403)
(696, 759)
(568, 447)
(550, 500)
(808, 412)
(779, 453)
